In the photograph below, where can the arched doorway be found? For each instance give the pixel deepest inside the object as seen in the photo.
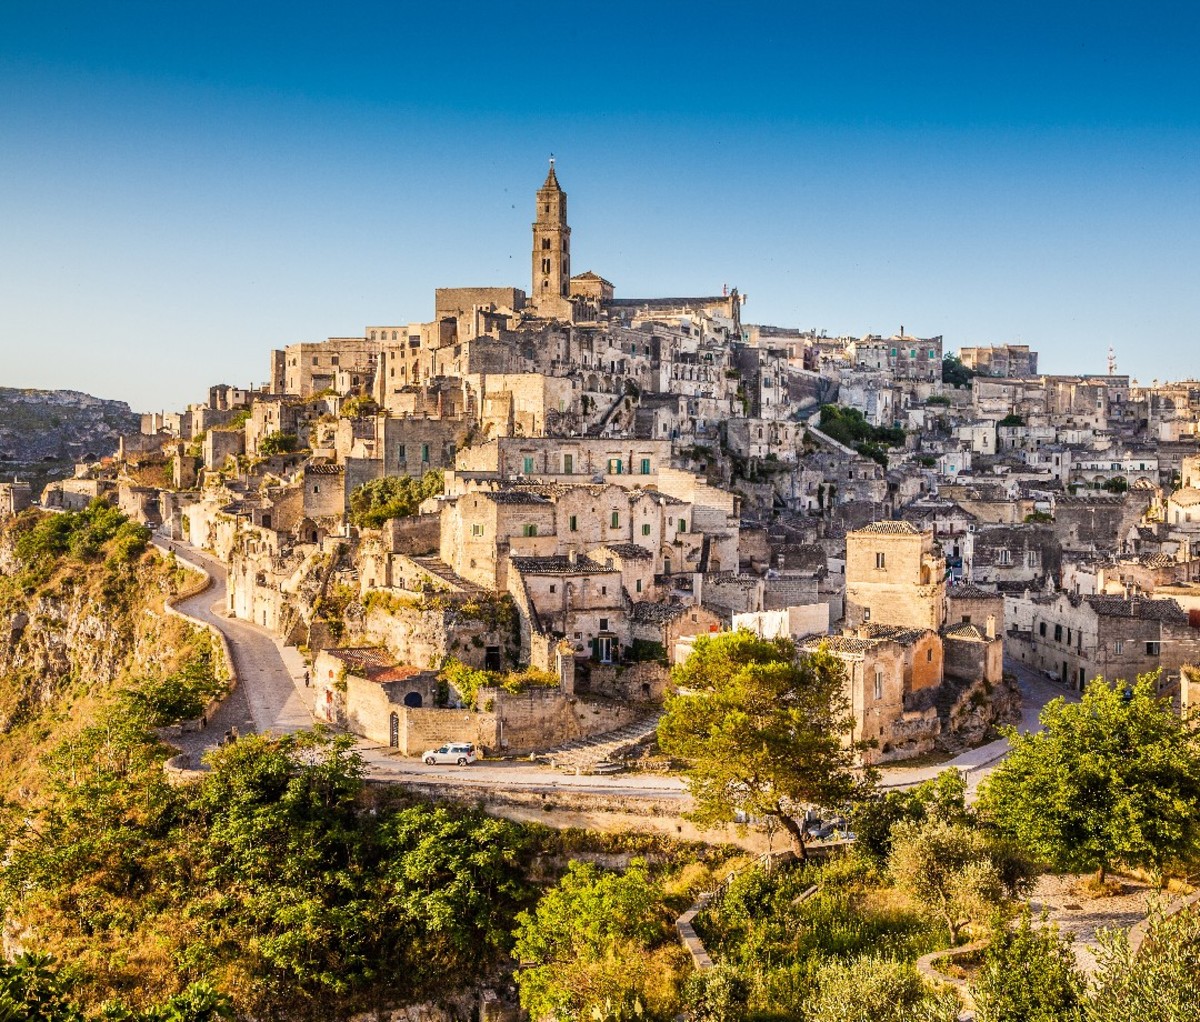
(413, 699)
(394, 731)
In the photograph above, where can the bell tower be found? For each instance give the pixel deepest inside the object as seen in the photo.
(551, 249)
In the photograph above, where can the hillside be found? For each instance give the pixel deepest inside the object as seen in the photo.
(44, 432)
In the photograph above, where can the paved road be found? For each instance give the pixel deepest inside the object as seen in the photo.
(1036, 692)
(271, 697)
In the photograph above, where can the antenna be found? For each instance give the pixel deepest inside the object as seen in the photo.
(1112, 361)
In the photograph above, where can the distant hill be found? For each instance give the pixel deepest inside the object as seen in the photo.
(44, 432)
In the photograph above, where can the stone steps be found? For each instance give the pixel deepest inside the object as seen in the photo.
(442, 572)
(599, 754)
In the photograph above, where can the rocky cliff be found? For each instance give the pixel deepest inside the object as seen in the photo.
(69, 638)
(44, 432)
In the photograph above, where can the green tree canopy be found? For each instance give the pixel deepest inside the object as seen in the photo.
(588, 950)
(1157, 984)
(762, 732)
(954, 372)
(1114, 778)
(870, 989)
(956, 871)
(1029, 975)
(379, 500)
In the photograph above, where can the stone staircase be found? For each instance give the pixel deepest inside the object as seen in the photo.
(600, 754)
(440, 571)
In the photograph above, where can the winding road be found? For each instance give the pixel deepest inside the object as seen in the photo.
(271, 697)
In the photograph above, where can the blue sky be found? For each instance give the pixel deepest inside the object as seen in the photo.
(184, 187)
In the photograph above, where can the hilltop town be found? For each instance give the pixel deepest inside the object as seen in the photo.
(562, 487)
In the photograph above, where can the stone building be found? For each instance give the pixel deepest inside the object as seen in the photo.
(1077, 638)
(891, 675)
(1001, 360)
(14, 497)
(895, 575)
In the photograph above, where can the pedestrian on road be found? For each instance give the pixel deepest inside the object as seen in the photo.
(306, 681)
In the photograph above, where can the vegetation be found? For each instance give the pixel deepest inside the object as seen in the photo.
(938, 399)
(467, 681)
(761, 731)
(955, 871)
(788, 952)
(1012, 419)
(98, 532)
(599, 945)
(1039, 518)
(955, 373)
(1116, 484)
(871, 989)
(1112, 779)
(359, 406)
(1158, 982)
(379, 500)
(1028, 975)
(278, 443)
(848, 426)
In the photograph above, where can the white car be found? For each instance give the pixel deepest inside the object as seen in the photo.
(461, 753)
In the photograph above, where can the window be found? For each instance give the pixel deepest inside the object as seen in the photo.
(682, 525)
(1119, 646)
(614, 466)
(425, 453)
(568, 464)
(878, 682)
(637, 585)
(1032, 558)
(1068, 636)
(529, 530)
(476, 529)
(929, 655)
(646, 529)
(604, 624)
(1058, 633)
(1002, 557)
(893, 353)
(645, 466)
(545, 244)
(880, 560)
(1042, 629)
(932, 353)
(616, 519)
(400, 452)
(573, 523)
(527, 466)
(553, 588)
(604, 590)
(1153, 648)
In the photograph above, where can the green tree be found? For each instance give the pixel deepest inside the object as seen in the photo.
(1113, 778)
(957, 872)
(870, 989)
(762, 732)
(955, 373)
(379, 500)
(942, 797)
(32, 990)
(278, 443)
(1157, 984)
(597, 947)
(1028, 975)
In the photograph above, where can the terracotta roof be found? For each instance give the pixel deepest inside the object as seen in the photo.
(891, 528)
(628, 551)
(840, 644)
(647, 612)
(558, 566)
(374, 664)
(896, 633)
(1189, 496)
(965, 630)
(1139, 607)
(968, 591)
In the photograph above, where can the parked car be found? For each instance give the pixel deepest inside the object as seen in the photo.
(461, 753)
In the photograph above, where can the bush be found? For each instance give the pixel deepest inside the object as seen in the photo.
(378, 501)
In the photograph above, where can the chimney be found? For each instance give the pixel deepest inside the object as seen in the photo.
(991, 626)
(572, 557)
(697, 588)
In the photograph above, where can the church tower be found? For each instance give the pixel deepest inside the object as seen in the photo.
(551, 250)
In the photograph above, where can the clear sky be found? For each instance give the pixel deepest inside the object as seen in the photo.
(185, 186)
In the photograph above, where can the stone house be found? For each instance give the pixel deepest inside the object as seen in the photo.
(890, 677)
(1077, 638)
(895, 575)
(15, 497)
(577, 598)
(1026, 553)
(364, 690)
